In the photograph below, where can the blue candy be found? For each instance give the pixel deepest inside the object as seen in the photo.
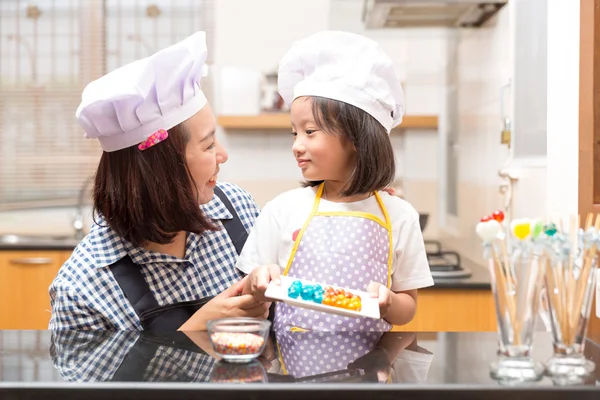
(307, 292)
(318, 297)
(297, 284)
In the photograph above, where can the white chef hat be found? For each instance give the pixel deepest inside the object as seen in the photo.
(126, 106)
(346, 67)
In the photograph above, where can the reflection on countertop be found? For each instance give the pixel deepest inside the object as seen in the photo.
(454, 364)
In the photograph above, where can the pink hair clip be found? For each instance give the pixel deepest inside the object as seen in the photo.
(153, 139)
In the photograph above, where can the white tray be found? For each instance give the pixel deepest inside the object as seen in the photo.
(370, 306)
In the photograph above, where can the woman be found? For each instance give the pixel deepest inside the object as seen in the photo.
(154, 259)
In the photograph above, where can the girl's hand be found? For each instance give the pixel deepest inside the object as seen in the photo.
(259, 279)
(383, 295)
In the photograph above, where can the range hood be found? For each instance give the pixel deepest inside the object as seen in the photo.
(429, 13)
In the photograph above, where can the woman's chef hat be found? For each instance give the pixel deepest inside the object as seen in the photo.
(128, 105)
(345, 67)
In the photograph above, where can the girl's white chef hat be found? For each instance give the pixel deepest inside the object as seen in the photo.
(346, 67)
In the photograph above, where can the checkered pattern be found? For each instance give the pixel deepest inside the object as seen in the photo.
(95, 356)
(90, 356)
(176, 365)
(85, 295)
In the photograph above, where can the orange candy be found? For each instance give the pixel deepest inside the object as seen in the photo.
(342, 299)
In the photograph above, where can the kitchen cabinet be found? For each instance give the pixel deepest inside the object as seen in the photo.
(282, 121)
(589, 130)
(530, 79)
(25, 276)
(453, 310)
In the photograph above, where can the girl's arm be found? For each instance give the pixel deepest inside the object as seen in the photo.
(403, 307)
(260, 254)
(397, 308)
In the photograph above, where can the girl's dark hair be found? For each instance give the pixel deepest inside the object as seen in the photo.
(375, 167)
(149, 196)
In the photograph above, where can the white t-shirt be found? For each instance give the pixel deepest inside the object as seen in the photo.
(271, 239)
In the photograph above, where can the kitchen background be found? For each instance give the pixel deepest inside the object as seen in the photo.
(463, 78)
(476, 77)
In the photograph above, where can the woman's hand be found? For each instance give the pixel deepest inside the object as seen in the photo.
(259, 279)
(392, 192)
(229, 303)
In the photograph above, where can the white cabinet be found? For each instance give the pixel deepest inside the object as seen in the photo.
(530, 78)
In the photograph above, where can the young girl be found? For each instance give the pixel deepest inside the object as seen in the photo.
(340, 229)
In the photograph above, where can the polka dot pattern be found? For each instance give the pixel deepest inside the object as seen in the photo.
(314, 353)
(344, 251)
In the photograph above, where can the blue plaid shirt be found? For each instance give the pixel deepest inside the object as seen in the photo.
(85, 294)
(95, 356)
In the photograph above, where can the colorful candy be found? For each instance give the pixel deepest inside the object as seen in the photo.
(328, 296)
(237, 343)
(490, 227)
(521, 228)
(498, 216)
(536, 228)
(308, 292)
(488, 230)
(238, 373)
(550, 229)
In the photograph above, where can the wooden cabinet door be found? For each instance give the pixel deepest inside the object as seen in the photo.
(589, 121)
(24, 280)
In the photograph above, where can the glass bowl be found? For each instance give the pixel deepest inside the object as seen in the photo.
(226, 372)
(238, 340)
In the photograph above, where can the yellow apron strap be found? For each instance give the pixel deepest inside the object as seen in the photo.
(298, 329)
(280, 356)
(358, 214)
(301, 233)
(388, 226)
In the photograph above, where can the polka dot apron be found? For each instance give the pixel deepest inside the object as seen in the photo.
(345, 249)
(310, 354)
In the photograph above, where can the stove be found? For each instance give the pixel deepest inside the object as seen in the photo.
(443, 263)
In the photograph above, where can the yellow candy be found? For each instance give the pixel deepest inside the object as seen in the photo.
(521, 228)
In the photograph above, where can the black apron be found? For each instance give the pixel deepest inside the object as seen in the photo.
(170, 317)
(138, 361)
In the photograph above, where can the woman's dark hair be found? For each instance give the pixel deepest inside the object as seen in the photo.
(149, 196)
(375, 166)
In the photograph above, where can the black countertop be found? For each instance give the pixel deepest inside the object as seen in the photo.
(103, 364)
(36, 243)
